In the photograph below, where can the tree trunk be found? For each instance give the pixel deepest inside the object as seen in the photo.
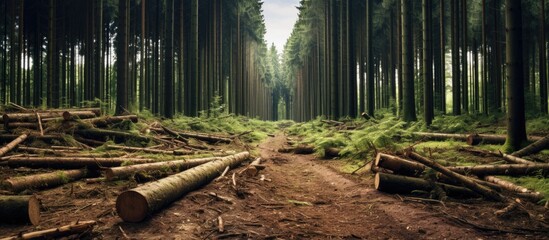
(169, 109)
(136, 204)
(516, 120)
(96, 132)
(122, 100)
(72, 162)
(428, 106)
(502, 169)
(105, 121)
(151, 150)
(12, 144)
(451, 173)
(408, 101)
(399, 165)
(370, 58)
(19, 210)
(401, 184)
(542, 62)
(205, 137)
(169, 166)
(456, 87)
(45, 180)
(440, 136)
(533, 148)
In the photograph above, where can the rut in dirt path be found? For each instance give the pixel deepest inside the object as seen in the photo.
(340, 207)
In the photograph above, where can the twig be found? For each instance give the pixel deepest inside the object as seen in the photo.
(234, 179)
(223, 174)
(364, 165)
(123, 233)
(220, 225)
(225, 199)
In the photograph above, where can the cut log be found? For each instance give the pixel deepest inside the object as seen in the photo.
(105, 121)
(523, 192)
(173, 166)
(482, 190)
(136, 204)
(145, 150)
(391, 183)
(31, 117)
(79, 227)
(72, 162)
(10, 137)
(502, 169)
(253, 169)
(12, 144)
(43, 150)
(44, 180)
(399, 165)
(533, 148)
(476, 139)
(19, 210)
(96, 132)
(204, 137)
(441, 136)
(77, 115)
(300, 149)
(12, 125)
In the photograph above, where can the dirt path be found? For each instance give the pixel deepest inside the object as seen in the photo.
(300, 198)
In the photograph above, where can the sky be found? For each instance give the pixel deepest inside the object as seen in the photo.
(280, 16)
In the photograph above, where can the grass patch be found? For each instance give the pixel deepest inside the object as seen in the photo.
(536, 183)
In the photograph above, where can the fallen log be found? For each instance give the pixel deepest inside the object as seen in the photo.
(10, 137)
(44, 150)
(96, 132)
(441, 136)
(136, 204)
(391, 183)
(72, 162)
(331, 152)
(12, 144)
(105, 121)
(506, 157)
(19, 209)
(482, 190)
(253, 169)
(522, 191)
(300, 149)
(533, 148)
(204, 137)
(137, 149)
(399, 165)
(31, 117)
(79, 227)
(173, 166)
(67, 116)
(476, 139)
(502, 169)
(44, 180)
(12, 125)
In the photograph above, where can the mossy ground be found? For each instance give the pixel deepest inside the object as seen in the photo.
(387, 133)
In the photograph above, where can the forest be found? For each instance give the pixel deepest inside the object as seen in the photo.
(140, 119)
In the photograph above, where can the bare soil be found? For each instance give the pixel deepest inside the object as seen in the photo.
(300, 197)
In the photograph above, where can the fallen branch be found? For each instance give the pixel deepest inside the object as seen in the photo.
(441, 136)
(105, 121)
(96, 132)
(150, 150)
(76, 228)
(220, 225)
(523, 192)
(475, 139)
(19, 209)
(136, 204)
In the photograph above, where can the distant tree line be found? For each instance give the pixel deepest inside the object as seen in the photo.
(166, 56)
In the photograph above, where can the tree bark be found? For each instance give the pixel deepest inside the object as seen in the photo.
(173, 166)
(105, 121)
(136, 204)
(441, 136)
(450, 172)
(253, 169)
(151, 150)
(12, 144)
(96, 132)
(408, 101)
(525, 192)
(401, 184)
(399, 165)
(516, 119)
(71, 162)
(45, 180)
(533, 148)
(19, 210)
(502, 169)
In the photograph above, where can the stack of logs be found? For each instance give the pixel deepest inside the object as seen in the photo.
(411, 172)
(63, 164)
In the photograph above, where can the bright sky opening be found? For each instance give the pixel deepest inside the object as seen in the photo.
(280, 16)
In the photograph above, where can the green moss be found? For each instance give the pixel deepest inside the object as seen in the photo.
(537, 183)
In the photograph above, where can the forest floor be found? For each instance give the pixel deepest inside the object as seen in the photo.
(300, 197)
